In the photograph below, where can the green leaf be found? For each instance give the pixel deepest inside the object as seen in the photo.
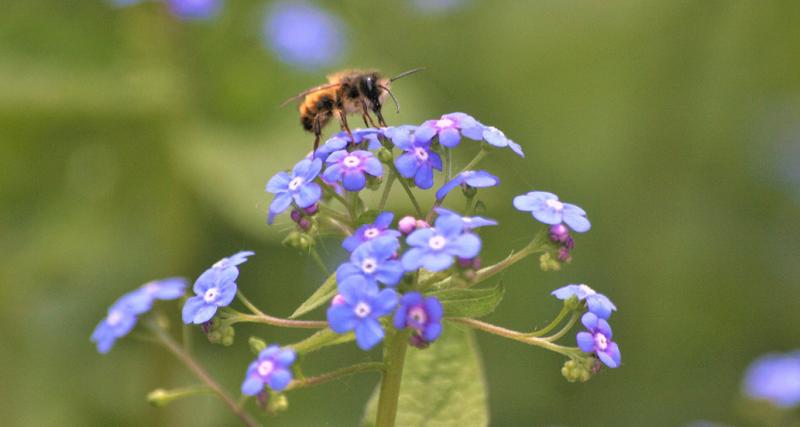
(322, 295)
(322, 338)
(442, 386)
(470, 302)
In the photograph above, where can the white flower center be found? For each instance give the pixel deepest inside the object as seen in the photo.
(114, 317)
(444, 123)
(296, 182)
(362, 310)
(371, 233)
(587, 290)
(369, 265)
(421, 153)
(265, 367)
(555, 204)
(437, 242)
(600, 342)
(418, 315)
(210, 295)
(351, 161)
(151, 288)
(466, 219)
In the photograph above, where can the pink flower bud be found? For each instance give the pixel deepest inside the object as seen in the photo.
(407, 224)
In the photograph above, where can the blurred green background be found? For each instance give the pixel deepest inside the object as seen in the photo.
(135, 146)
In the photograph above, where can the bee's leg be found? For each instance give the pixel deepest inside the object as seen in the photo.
(317, 129)
(380, 117)
(366, 115)
(343, 121)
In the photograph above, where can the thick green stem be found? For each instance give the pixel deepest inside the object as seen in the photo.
(201, 373)
(260, 317)
(394, 359)
(335, 375)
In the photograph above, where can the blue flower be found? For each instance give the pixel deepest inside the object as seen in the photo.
(195, 9)
(374, 261)
(434, 248)
(450, 128)
(597, 303)
(119, 322)
(418, 161)
(370, 231)
(496, 137)
(598, 340)
(271, 367)
(351, 167)
(342, 140)
(546, 208)
(299, 186)
(215, 288)
(141, 300)
(359, 308)
(233, 260)
(470, 222)
(776, 378)
(476, 179)
(423, 315)
(304, 35)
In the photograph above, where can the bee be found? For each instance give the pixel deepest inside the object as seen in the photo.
(347, 92)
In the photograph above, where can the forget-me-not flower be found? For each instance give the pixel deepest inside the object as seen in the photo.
(215, 288)
(546, 208)
(342, 140)
(119, 322)
(597, 303)
(367, 232)
(775, 378)
(299, 186)
(597, 340)
(195, 9)
(141, 300)
(304, 35)
(476, 179)
(470, 222)
(351, 168)
(434, 248)
(360, 307)
(271, 367)
(417, 161)
(497, 138)
(374, 261)
(423, 315)
(450, 128)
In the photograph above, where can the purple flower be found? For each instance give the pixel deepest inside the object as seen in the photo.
(776, 378)
(434, 248)
(598, 340)
(450, 128)
(215, 288)
(476, 179)
(368, 232)
(298, 187)
(304, 35)
(233, 260)
(418, 161)
(546, 208)
(141, 300)
(342, 140)
(559, 233)
(423, 315)
(374, 261)
(351, 167)
(597, 303)
(195, 9)
(360, 308)
(271, 367)
(119, 322)
(496, 137)
(470, 222)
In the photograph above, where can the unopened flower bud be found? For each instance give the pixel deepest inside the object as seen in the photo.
(559, 233)
(575, 371)
(256, 344)
(304, 224)
(296, 215)
(373, 183)
(385, 155)
(547, 263)
(469, 191)
(407, 224)
(563, 255)
(312, 210)
(417, 341)
(337, 300)
(277, 403)
(422, 224)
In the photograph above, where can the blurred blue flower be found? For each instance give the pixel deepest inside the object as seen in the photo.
(215, 288)
(119, 322)
(375, 261)
(271, 367)
(423, 315)
(546, 208)
(470, 222)
(342, 140)
(450, 128)
(497, 138)
(358, 307)
(141, 300)
(233, 260)
(299, 186)
(775, 378)
(304, 35)
(350, 168)
(418, 161)
(434, 248)
(597, 303)
(476, 179)
(598, 340)
(380, 227)
(437, 6)
(195, 9)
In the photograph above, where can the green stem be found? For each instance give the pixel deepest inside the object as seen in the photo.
(161, 397)
(561, 315)
(514, 335)
(565, 329)
(201, 373)
(386, 190)
(315, 256)
(408, 191)
(260, 317)
(475, 160)
(335, 375)
(448, 164)
(394, 358)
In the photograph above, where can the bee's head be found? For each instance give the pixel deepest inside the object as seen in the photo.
(373, 87)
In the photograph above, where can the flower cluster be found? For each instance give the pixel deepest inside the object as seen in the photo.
(597, 337)
(775, 378)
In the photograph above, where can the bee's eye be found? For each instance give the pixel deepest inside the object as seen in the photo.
(370, 84)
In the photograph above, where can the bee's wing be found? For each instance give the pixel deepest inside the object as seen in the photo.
(303, 94)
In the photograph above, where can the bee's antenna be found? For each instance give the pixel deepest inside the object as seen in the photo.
(396, 104)
(406, 73)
